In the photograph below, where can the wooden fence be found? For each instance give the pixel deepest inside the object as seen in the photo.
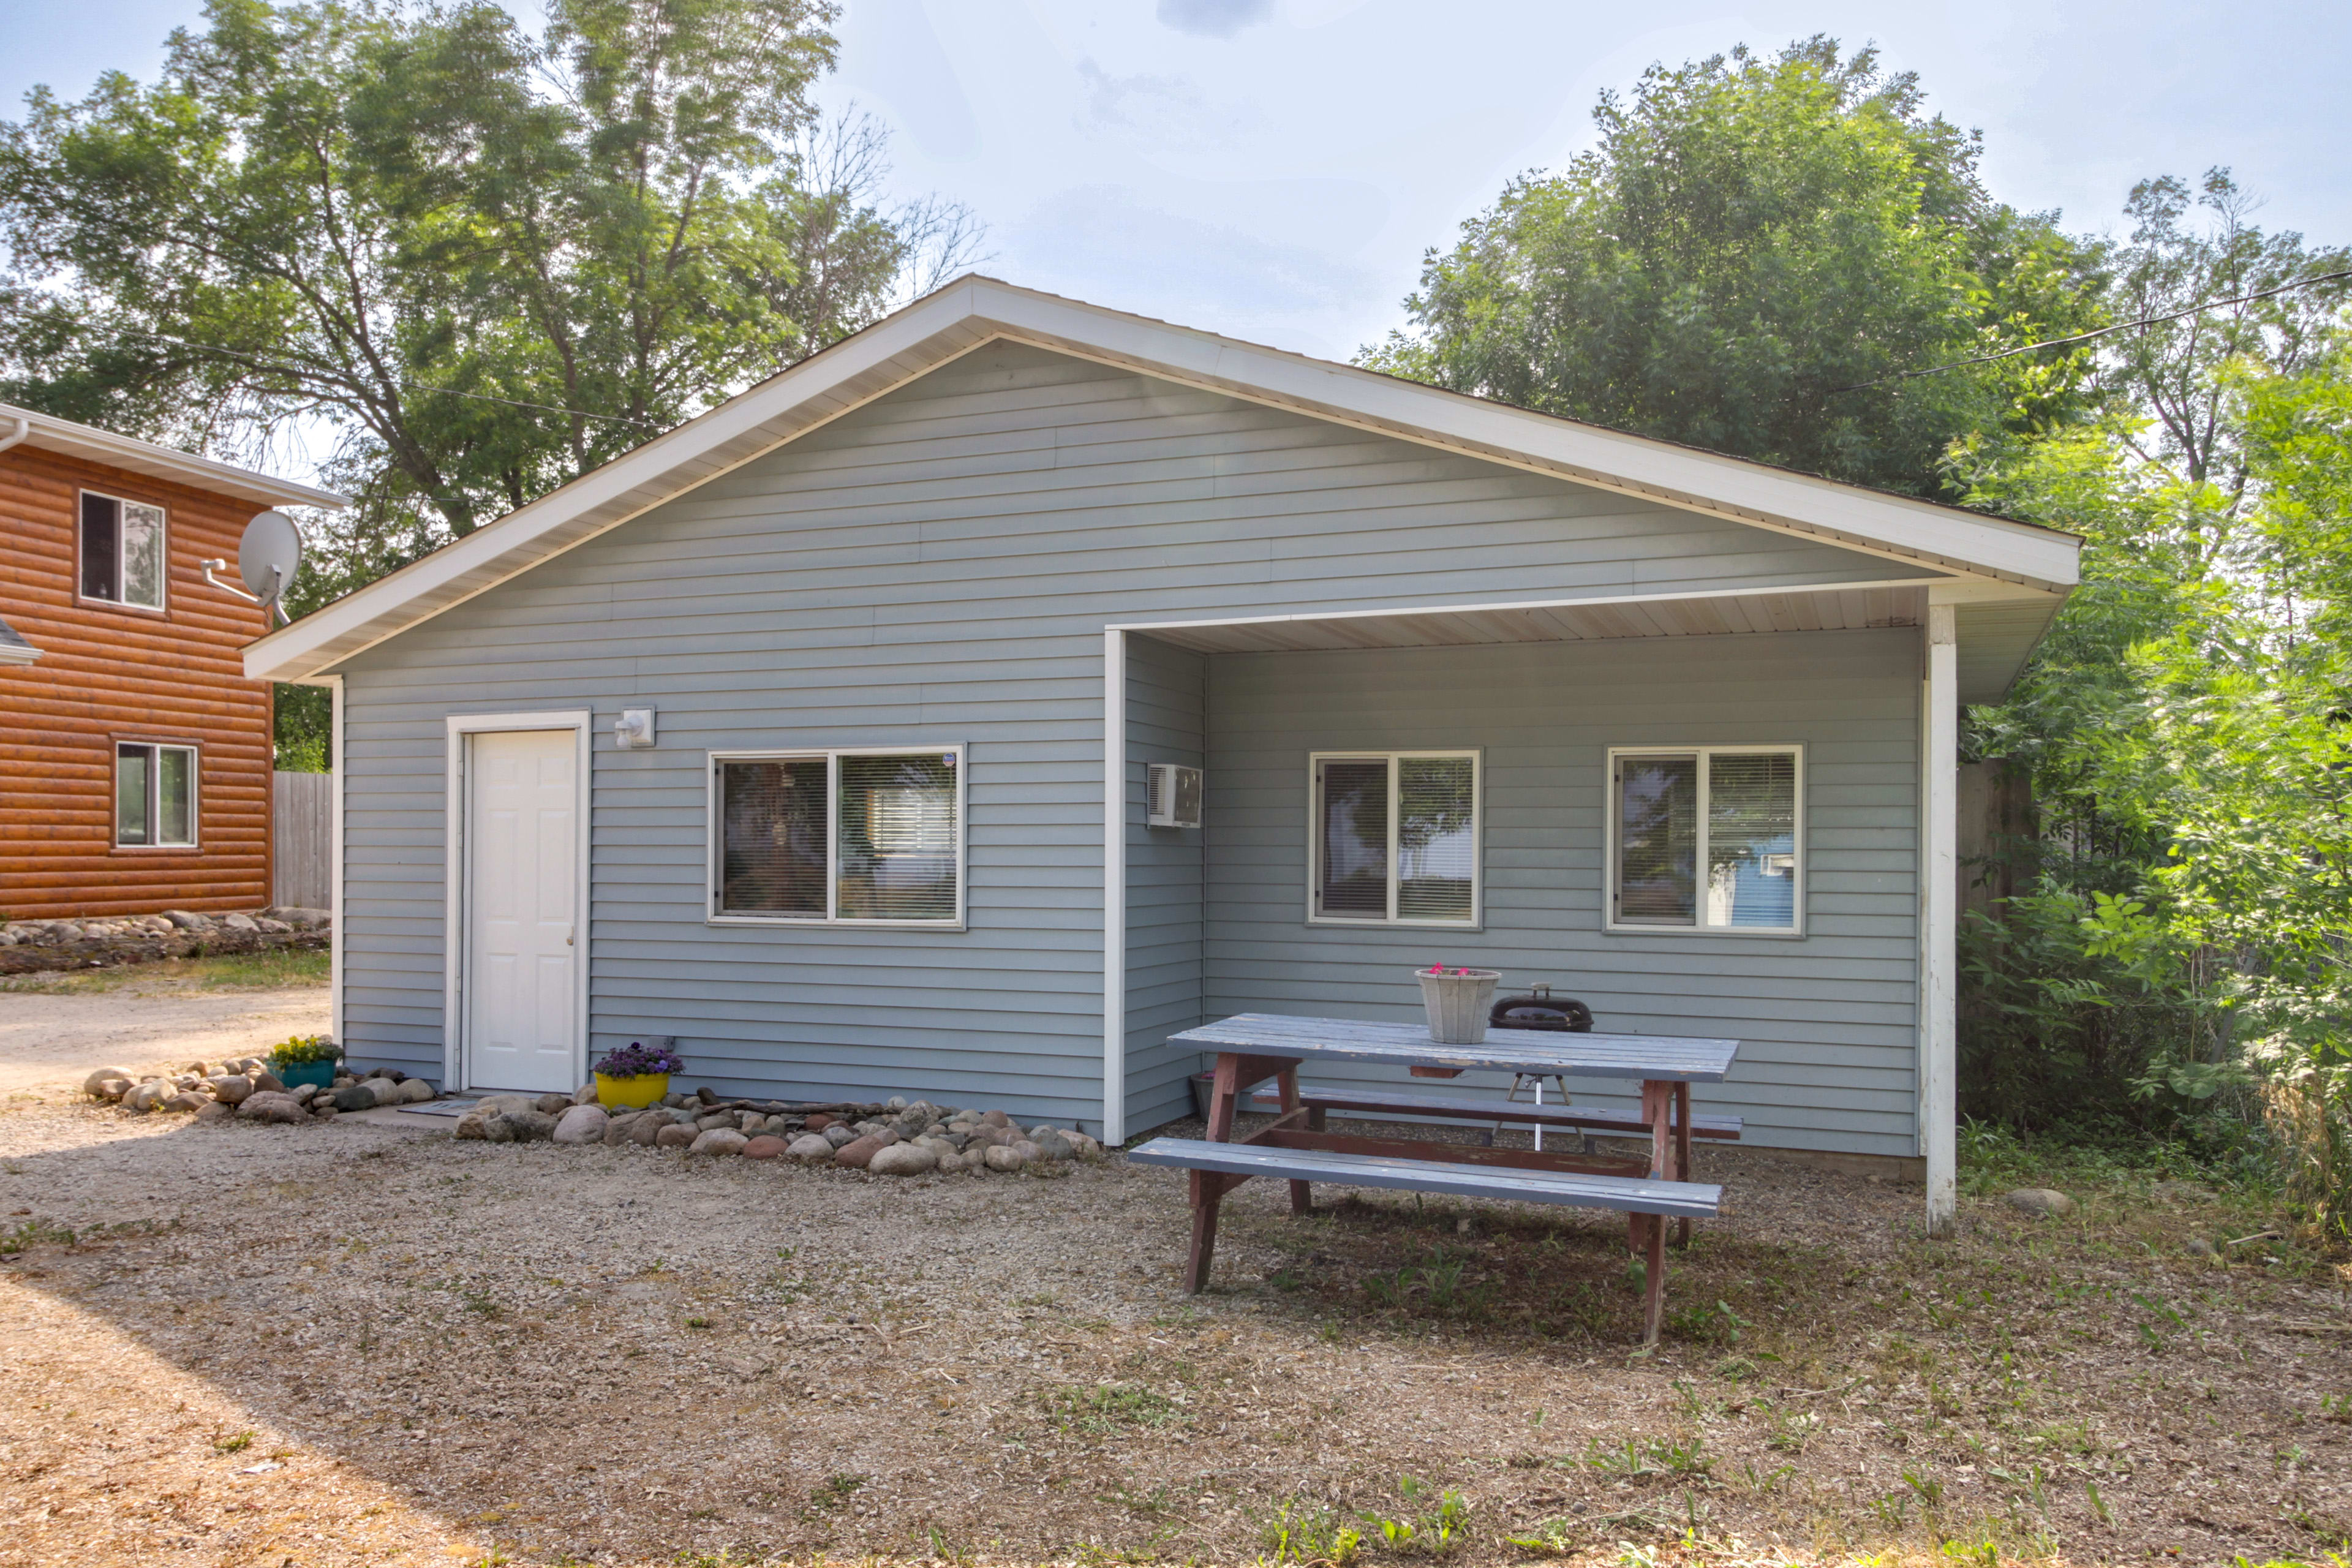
(302, 811)
(1997, 828)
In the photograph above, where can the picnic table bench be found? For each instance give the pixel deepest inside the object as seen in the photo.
(1296, 1147)
(1322, 1099)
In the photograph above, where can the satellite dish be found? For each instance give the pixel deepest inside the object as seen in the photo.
(268, 556)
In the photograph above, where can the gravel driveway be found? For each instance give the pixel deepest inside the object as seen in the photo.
(363, 1341)
(48, 1040)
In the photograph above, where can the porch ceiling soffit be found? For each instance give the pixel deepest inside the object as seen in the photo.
(1842, 609)
(1996, 634)
(973, 311)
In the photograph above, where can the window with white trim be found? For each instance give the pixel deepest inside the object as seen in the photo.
(154, 795)
(122, 552)
(1395, 839)
(1706, 838)
(852, 836)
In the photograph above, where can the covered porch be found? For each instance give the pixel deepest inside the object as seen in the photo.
(1848, 693)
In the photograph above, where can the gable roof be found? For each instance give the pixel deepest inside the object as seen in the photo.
(974, 310)
(51, 434)
(13, 649)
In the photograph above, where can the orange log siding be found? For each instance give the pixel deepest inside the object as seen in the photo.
(108, 673)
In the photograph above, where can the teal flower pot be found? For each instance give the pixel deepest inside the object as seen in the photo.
(319, 1073)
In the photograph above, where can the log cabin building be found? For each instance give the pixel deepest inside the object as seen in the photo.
(135, 769)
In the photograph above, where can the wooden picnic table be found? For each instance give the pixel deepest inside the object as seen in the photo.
(1252, 1048)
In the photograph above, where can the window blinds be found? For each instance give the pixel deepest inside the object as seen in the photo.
(1436, 838)
(898, 836)
(773, 819)
(1751, 838)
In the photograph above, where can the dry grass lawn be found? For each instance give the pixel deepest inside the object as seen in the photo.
(365, 1343)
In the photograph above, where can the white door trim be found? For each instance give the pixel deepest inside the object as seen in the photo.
(452, 926)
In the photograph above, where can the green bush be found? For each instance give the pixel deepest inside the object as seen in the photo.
(302, 1051)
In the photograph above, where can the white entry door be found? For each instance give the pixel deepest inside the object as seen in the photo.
(523, 902)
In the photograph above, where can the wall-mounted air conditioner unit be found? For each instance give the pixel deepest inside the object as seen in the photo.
(1173, 796)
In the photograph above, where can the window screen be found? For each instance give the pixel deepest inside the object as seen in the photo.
(898, 838)
(1355, 840)
(1396, 838)
(175, 795)
(155, 796)
(122, 551)
(1657, 828)
(1732, 812)
(101, 547)
(839, 836)
(133, 794)
(773, 817)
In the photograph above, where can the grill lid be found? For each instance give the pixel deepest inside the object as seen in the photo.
(1542, 1010)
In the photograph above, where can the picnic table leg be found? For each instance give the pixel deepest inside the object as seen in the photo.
(1285, 1085)
(1223, 1089)
(1208, 1191)
(1681, 1155)
(1655, 1100)
(1654, 1292)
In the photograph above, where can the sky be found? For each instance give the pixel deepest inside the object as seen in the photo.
(1274, 169)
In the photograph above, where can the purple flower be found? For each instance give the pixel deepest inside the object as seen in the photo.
(637, 1059)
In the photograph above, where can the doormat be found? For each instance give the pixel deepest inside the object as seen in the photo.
(440, 1107)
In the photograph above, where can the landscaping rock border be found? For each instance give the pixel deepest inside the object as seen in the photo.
(247, 1090)
(29, 947)
(894, 1138)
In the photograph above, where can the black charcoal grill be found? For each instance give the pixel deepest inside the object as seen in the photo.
(1539, 1009)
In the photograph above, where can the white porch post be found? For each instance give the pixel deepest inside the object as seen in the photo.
(1114, 887)
(335, 861)
(1939, 958)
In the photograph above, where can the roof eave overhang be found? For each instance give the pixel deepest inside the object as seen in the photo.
(975, 311)
(46, 434)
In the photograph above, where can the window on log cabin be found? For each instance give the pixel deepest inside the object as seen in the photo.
(154, 797)
(122, 552)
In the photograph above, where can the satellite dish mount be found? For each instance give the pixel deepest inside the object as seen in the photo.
(267, 558)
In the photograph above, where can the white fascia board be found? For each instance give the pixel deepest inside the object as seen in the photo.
(1728, 485)
(18, 653)
(50, 434)
(967, 312)
(290, 652)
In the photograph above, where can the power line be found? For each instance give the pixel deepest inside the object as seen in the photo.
(407, 386)
(2132, 326)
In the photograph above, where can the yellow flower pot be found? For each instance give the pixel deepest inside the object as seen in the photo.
(632, 1093)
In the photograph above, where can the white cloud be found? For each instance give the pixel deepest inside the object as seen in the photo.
(1214, 18)
(1161, 113)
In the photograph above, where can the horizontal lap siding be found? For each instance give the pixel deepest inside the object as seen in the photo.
(1166, 691)
(936, 567)
(1825, 1023)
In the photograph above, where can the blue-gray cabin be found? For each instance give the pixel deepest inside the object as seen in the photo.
(816, 735)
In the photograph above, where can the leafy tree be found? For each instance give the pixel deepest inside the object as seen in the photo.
(2181, 955)
(1752, 249)
(480, 262)
(2173, 371)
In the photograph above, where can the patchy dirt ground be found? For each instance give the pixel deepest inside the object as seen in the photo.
(55, 1030)
(363, 1343)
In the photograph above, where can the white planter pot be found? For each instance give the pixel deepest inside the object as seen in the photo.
(1457, 1004)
